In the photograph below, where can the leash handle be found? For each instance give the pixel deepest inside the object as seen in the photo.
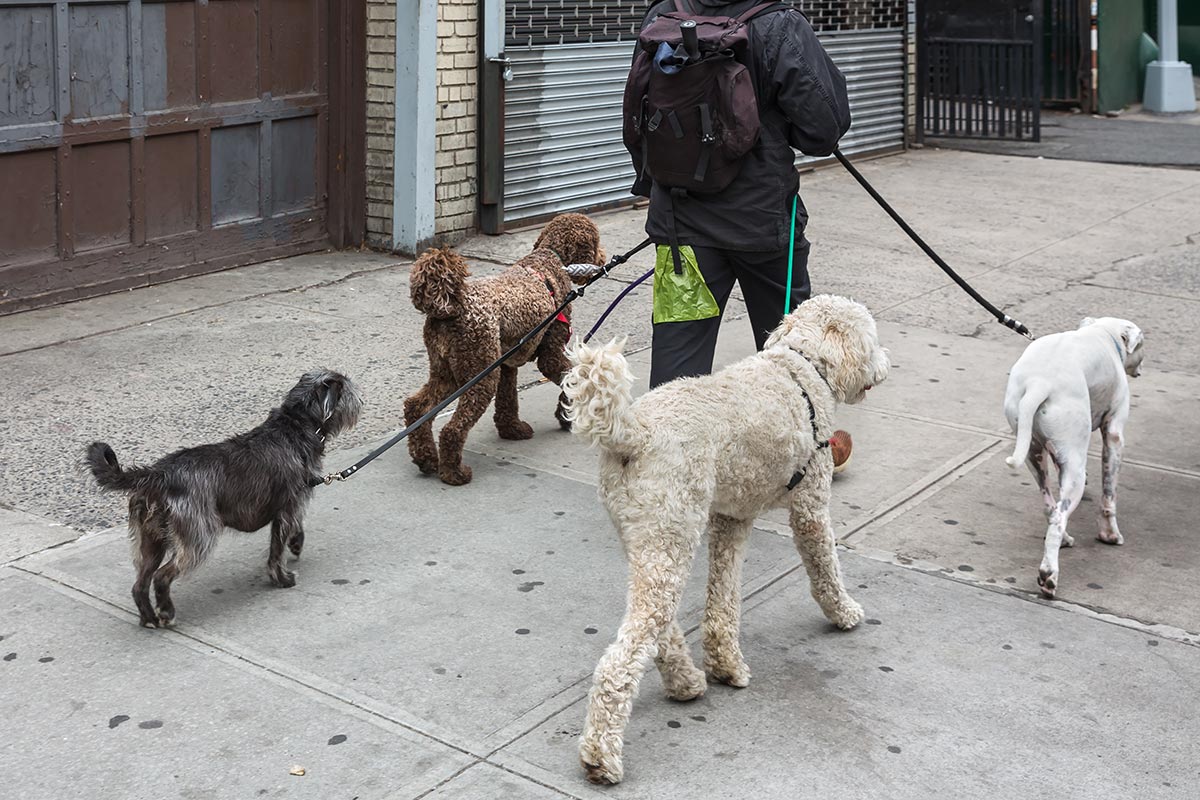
(466, 387)
(1000, 316)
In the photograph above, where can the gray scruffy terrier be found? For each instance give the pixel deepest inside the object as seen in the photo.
(179, 504)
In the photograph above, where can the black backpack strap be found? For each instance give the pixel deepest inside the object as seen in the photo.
(673, 234)
(761, 8)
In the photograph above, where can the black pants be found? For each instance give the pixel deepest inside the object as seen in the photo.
(683, 349)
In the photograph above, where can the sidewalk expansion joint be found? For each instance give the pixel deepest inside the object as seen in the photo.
(1006, 435)
(207, 645)
(1146, 292)
(1157, 629)
(988, 270)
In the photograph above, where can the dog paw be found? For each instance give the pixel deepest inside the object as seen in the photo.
(560, 413)
(149, 623)
(1047, 582)
(846, 614)
(737, 676)
(455, 476)
(603, 769)
(1110, 538)
(284, 579)
(427, 467)
(166, 619)
(516, 431)
(1068, 540)
(684, 686)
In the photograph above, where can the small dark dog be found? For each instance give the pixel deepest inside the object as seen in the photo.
(179, 504)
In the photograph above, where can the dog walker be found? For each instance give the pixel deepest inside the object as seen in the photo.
(593, 274)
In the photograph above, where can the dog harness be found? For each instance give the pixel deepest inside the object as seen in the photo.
(799, 474)
(562, 317)
(822, 444)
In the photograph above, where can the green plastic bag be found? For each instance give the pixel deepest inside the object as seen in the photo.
(681, 298)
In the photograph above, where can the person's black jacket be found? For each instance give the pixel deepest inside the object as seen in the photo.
(802, 103)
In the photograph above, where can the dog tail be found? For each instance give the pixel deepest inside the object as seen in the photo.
(438, 283)
(1031, 401)
(102, 461)
(600, 390)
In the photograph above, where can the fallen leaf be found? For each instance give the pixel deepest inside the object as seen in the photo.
(297, 770)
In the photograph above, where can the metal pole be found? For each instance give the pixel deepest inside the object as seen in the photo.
(1169, 87)
(1168, 30)
(495, 71)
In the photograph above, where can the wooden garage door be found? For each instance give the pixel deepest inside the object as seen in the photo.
(142, 141)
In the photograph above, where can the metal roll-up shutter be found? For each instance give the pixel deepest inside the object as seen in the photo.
(562, 110)
(562, 129)
(873, 63)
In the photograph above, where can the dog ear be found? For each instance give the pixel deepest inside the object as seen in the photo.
(1131, 335)
(1083, 323)
(329, 392)
(842, 353)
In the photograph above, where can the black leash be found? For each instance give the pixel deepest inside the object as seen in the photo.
(572, 295)
(1000, 316)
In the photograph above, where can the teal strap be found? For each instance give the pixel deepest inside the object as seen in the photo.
(787, 298)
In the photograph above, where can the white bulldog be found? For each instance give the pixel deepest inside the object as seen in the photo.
(1063, 387)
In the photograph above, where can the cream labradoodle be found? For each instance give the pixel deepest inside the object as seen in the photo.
(712, 453)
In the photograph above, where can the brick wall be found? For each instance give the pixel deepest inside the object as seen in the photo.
(381, 119)
(457, 79)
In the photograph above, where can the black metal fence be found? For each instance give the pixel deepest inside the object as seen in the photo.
(980, 88)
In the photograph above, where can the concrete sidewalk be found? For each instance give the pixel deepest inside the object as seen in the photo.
(440, 640)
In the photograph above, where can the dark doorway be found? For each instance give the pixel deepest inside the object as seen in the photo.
(980, 68)
(1067, 53)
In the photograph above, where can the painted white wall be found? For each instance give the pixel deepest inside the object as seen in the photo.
(413, 201)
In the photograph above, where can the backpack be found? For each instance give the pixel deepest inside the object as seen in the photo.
(689, 110)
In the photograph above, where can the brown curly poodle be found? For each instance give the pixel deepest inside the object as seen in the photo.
(469, 324)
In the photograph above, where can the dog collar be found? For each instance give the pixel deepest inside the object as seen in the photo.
(816, 369)
(1117, 345)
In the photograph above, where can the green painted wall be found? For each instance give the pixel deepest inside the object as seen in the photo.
(1119, 24)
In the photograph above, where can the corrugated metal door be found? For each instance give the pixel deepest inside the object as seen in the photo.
(141, 141)
(562, 110)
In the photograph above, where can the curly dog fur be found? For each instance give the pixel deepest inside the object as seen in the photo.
(712, 453)
(469, 324)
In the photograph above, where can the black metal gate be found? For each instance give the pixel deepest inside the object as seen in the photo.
(980, 69)
(1067, 54)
